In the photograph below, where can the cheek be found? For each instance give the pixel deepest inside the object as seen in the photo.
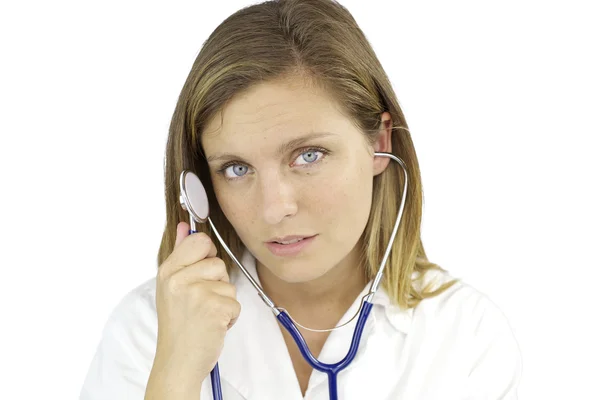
(344, 199)
(234, 207)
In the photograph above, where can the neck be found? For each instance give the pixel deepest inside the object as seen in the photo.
(322, 302)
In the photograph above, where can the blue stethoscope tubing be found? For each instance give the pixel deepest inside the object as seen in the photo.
(285, 320)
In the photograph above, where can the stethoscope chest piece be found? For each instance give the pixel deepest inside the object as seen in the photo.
(193, 198)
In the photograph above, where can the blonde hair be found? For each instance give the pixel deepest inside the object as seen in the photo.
(318, 41)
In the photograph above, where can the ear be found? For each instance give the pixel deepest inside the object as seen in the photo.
(383, 143)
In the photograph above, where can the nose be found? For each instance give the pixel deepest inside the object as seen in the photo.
(278, 199)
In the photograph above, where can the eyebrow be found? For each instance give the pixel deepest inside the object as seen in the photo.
(283, 148)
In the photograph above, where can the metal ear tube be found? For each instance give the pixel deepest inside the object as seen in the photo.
(194, 200)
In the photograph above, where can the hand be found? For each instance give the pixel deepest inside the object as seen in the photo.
(196, 305)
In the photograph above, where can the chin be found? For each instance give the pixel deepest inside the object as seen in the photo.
(294, 270)
(297, 276)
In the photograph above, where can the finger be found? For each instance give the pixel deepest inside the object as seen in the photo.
(223, 289)
(231, 307)
(193, 248)
(209, 269)
(235, 310)
(183, 230)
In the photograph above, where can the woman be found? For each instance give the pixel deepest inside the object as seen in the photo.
(280, 117)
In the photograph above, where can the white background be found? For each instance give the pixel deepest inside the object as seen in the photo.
(502, 99)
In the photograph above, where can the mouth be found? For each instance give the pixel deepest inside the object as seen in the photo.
(291, 239)
(289, 245)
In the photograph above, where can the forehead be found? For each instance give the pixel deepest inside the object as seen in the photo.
(272, 110)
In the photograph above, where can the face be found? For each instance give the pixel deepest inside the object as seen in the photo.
(287, 162)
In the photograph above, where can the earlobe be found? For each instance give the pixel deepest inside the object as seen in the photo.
(383, 143)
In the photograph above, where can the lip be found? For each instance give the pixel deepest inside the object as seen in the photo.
(288, 238)
(288, 250)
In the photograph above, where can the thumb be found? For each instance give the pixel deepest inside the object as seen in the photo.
(183, 230)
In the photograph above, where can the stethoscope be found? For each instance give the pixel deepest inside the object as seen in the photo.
(193, 199)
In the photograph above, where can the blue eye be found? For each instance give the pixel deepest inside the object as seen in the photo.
(238, 170)
(310, 156)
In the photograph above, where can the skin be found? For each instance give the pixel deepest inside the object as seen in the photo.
(266, 193)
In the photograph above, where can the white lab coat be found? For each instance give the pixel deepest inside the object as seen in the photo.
(457, 345)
